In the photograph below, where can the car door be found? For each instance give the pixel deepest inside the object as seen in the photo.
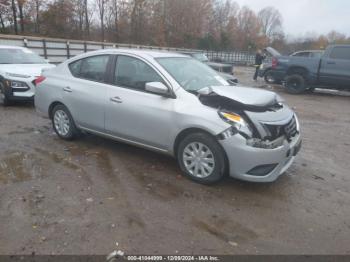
(85, 92)
(335, 67)
(133, 113)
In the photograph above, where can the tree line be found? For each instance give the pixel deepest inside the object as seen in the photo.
(203, 24)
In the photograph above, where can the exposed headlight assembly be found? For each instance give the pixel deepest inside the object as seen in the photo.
(239, 125)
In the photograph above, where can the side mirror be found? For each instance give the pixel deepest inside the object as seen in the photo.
(157, 88)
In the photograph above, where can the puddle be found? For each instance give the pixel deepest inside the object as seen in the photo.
(58, 159)
(18, 167)
(24, 130)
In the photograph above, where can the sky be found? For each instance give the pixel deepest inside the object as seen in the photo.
(303, 17)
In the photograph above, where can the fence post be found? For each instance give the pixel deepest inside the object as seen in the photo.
(85, 47)
(103, 46)
(67, 47)
(45, 49)
(25, 42)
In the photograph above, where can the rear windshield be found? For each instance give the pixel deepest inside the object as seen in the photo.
(19, 56)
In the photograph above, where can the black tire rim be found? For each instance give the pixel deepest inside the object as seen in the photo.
(295, 84)
(270, 78)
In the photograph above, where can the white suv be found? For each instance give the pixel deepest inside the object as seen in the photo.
(19, 68)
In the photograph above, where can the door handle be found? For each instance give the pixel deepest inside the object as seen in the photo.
(67, 89)
(116, 99)
(330, 63)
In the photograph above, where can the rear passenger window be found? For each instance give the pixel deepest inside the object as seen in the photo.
(91, 68)
(75, 68)
(340, 52)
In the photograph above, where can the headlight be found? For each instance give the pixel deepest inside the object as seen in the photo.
(231, 117)
(17, 84)
(238, 123)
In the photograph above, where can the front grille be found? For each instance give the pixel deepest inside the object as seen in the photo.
(289, 130)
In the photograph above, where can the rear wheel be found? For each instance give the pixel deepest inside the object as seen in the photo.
(201, 158)
(269, 78)
(63, 123)
(295, 84)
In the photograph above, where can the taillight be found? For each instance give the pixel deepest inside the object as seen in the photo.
(274, 62)
(38, 80)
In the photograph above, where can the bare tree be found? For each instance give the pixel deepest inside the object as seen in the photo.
(14, 17)
(86, 19)
(37, 15)
(101, 5)
(270, 21)
(114, 17)
(4, 5)
(20, 4)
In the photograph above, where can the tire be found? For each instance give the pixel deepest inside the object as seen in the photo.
(295, 84)
(268, 77)
(211, 168)
(63, 123)
(5, 100)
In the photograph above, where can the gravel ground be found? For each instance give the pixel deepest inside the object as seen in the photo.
(93, 196)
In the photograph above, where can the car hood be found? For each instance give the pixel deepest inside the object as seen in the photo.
(25, 69)
(246, 96)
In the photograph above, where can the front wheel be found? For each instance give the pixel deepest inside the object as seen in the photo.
(201, 158)
(63, 123)
(3, 96)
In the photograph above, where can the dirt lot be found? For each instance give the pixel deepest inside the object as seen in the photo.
(93, 196)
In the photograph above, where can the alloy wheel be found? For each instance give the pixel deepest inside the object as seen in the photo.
(61, 122)
(198, 160)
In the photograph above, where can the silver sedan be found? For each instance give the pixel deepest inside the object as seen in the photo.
(176, 105)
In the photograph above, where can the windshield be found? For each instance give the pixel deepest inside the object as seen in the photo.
(19, 56)
(191, 74)
(201, 57)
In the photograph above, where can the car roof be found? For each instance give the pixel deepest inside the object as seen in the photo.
(139, 52)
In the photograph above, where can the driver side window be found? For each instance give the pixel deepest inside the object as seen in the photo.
(133, 73)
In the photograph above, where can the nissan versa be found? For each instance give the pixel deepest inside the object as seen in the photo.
(176, 105)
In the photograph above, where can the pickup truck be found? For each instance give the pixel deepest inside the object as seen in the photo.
(331, 70)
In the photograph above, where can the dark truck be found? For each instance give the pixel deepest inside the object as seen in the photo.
(330, 71)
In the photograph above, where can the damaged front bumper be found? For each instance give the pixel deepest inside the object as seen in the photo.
(259, 164)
